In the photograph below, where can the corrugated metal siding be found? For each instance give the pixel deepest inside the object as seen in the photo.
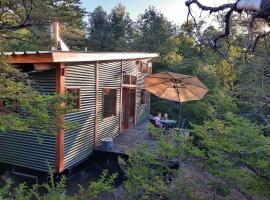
(142, 110)
(130, 68)
(79, 144)
(24, 149)
(109, 77)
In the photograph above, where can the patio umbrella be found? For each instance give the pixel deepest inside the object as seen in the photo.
(175, 87)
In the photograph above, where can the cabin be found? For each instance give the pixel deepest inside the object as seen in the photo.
(111, 99)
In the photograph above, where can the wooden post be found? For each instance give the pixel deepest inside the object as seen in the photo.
(121, 93)
(96, 111)
(59, 147)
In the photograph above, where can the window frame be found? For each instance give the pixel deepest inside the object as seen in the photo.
(14, 108)
(77, 106)
(130, 84)
(103, 103)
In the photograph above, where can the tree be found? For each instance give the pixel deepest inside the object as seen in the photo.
(98, 30)
(237, 153)
(110, 32)
(26, 22)
(259, 10)
(23, 108)
(156, 34)
(121, 29)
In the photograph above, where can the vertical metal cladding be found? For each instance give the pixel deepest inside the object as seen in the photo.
(109, 77)
(79, 143)
(143, 110)
(31, 150)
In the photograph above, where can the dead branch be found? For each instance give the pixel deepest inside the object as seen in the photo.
(261, 13)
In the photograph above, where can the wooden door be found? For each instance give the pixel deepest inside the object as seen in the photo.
(128, 108)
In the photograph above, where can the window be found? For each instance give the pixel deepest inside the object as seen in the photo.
(145, 68)
(143, 96)
(9, 105)
(133, 80)
(139, 66)
(109, 102)
(126, 79)
(75, 101)
(129, 80)
(142, 67)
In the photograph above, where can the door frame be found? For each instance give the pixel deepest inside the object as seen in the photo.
(129, 88)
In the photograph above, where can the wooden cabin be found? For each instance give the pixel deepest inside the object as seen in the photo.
(111, 99)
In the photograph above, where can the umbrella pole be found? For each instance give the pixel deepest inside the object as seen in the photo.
(179, 114)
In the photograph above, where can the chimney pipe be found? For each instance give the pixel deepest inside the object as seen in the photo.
(55, 35)
(57, 42)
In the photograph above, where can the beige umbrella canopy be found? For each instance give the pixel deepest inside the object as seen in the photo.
(175, 87)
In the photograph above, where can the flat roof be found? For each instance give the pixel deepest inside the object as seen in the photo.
(73, 56)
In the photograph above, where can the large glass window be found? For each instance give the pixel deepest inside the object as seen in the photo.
(109, 102)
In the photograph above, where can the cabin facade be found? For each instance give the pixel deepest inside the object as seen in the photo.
(111, 99)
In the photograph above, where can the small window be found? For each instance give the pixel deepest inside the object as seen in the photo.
(145, 68)
(143, 96)
(129, 80)
(133, 80)
(126, 79)
(109, 102)
(139, 66)
(76, 99)
(9, 105)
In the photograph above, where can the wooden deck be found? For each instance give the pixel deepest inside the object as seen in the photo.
(130, 138)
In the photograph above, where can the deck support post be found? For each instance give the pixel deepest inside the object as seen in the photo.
(59, 146)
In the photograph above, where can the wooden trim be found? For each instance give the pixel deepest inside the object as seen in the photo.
(42, 66)
(136, 91)
(121, 91)
(73, 56)
(96, 111)
(115, 106)
(77, 106)
(59, 147)
(31, 58)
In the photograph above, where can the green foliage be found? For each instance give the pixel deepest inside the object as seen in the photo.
(156, 34)
(110, 32)
(236, 151)
(56, 190)
(103, 186)
(148, 171)
(24, 25)
(35, 109)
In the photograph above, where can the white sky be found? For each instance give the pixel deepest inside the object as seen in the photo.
(174, 10)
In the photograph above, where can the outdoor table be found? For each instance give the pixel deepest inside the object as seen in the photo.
(168, 122)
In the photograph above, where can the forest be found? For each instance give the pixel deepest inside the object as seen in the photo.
(229, 128)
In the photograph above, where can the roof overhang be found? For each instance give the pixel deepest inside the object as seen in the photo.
(74, 56)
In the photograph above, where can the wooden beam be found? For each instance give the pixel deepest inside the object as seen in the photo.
(59, 146)
(42, 66)
(96, 111)
(31, 58)
(73, 56)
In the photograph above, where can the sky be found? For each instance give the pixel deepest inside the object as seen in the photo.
(174, 10)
